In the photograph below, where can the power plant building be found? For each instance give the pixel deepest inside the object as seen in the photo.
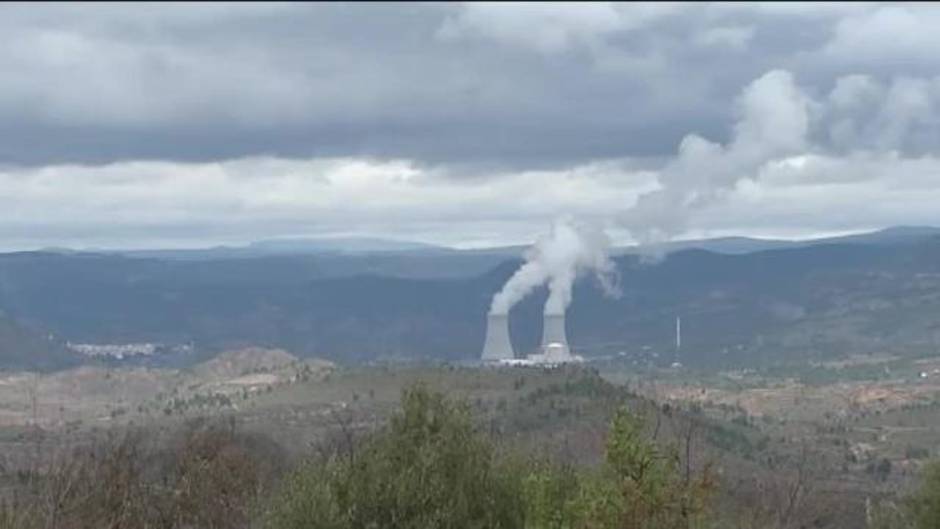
(554, 337)
(553, 350)
(497, 345)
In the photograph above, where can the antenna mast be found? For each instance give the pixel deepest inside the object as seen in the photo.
(678, 333)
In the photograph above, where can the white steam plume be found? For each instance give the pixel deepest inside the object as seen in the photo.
(773, 122)
(569, 250)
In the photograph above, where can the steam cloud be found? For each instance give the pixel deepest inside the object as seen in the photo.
(773, 122)
(569, 250)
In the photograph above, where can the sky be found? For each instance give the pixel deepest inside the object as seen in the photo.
(188, 125)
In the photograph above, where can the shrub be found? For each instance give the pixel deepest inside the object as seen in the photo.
(209, 477)
(920, 510)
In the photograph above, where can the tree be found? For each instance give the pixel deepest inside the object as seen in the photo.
(655, 491)
(920, 510)
(429, 468)
(641, 486)
(925, 503)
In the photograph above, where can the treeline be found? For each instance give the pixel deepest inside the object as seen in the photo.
(431, 466)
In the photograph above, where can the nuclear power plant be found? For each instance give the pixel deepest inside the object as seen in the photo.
(568, 251)
(554, 338)
(497, 345)
(554, 349)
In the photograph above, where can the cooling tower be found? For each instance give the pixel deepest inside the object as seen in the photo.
(554, 340)
(497, 345)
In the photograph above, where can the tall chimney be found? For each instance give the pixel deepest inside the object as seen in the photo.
(554, 340)
(497, 345)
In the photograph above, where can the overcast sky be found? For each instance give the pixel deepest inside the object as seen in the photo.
(463, 124)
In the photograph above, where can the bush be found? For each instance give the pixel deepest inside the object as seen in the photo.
(216, 476)
(925, 503)
(920, 510)
(209, 477)
(916, 452)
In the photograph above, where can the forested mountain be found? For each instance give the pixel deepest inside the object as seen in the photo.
(764, 306)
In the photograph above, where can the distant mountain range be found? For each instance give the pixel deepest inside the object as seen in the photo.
(358, 246)
(287, 246)
(742, 301)
(741, 245)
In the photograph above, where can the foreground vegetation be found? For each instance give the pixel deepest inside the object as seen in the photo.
(430, 466)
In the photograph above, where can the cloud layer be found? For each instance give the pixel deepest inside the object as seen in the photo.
(463, 123)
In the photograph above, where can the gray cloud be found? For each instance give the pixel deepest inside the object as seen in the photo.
(142, 203)
(462, 124)
(523, 85)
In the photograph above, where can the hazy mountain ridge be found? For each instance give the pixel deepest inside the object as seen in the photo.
(741, 245)
(378, 247)
(814, 300)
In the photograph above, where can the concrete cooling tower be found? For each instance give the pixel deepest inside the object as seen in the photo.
(554, 340)
(497, 345)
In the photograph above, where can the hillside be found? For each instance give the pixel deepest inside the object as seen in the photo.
(759, 307)
(101, 393)
(24, 348)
